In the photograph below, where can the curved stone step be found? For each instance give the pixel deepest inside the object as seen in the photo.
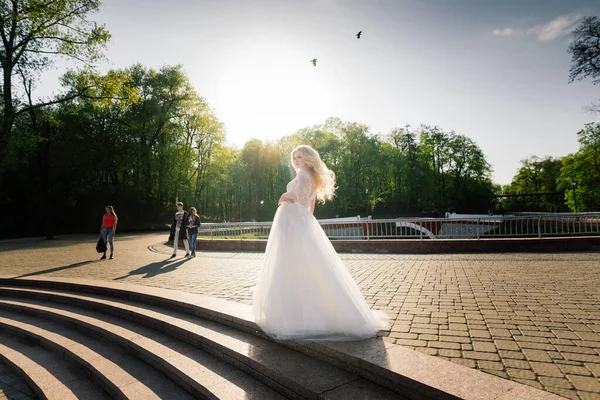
(12, 383)
(289, 372)
(407, 372)
(120, 375)
(201, 374)
(17, 354)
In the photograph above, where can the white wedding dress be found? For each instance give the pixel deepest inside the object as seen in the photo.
(304, 290)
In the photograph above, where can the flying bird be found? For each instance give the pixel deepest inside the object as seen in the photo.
(314, 62)
(358, 35)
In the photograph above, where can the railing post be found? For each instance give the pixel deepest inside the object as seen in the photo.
(241, 233)
(539, 227)
(478, 228)
(420, 230)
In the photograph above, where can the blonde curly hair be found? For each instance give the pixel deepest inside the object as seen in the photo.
(324, 177)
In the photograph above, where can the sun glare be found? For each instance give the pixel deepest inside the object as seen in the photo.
(268, 87)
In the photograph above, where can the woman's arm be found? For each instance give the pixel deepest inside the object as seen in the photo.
(193, 224)
(286, 198)
(301, 191)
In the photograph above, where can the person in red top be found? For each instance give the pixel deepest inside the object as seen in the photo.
(108, 229)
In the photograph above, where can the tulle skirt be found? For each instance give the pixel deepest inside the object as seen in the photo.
(304, 290)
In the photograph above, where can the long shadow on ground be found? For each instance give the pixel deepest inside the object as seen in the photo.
(154, 269)
(48, 271)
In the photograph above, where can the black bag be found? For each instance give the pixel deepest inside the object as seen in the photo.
(101, 246)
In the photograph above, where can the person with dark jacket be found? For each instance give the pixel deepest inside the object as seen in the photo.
(193, 225)
(178, 227)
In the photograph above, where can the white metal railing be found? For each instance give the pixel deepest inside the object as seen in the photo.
(495, 226)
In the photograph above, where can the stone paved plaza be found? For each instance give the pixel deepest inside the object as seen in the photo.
(531, 318)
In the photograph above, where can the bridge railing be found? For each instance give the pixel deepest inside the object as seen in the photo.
(524, 226)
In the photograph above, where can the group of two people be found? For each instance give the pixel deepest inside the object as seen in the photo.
(185, 227)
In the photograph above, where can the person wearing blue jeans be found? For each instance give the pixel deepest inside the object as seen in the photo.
(192, 229)
(108, 229)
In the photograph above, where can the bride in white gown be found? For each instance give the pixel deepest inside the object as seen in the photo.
(304, 290)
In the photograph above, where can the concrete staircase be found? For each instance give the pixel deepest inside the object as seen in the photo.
(96, 340)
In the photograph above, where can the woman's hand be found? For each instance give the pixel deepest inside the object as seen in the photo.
(284, 199)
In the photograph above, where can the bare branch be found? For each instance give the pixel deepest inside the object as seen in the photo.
(13, 28)
(82, 60)
(57, 38)
(593, 108)
(73, 29)
(79, 93)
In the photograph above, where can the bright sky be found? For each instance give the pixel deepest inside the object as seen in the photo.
(495, 71)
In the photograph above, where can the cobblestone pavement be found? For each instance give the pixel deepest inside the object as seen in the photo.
(531, 318)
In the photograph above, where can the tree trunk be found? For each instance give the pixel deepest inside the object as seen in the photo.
(43, 156)
(9, 114)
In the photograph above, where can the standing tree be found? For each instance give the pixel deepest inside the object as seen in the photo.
(412, 183)
(585, 51)
(33, 34)
(459, 172)
(535, 186)
(580, 173)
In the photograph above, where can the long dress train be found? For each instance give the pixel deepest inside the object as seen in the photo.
(304, 290)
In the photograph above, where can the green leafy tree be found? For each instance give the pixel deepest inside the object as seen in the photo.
(580, 173)
(33, 34)
(535, 186)
(460, 175)
(410, 172)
